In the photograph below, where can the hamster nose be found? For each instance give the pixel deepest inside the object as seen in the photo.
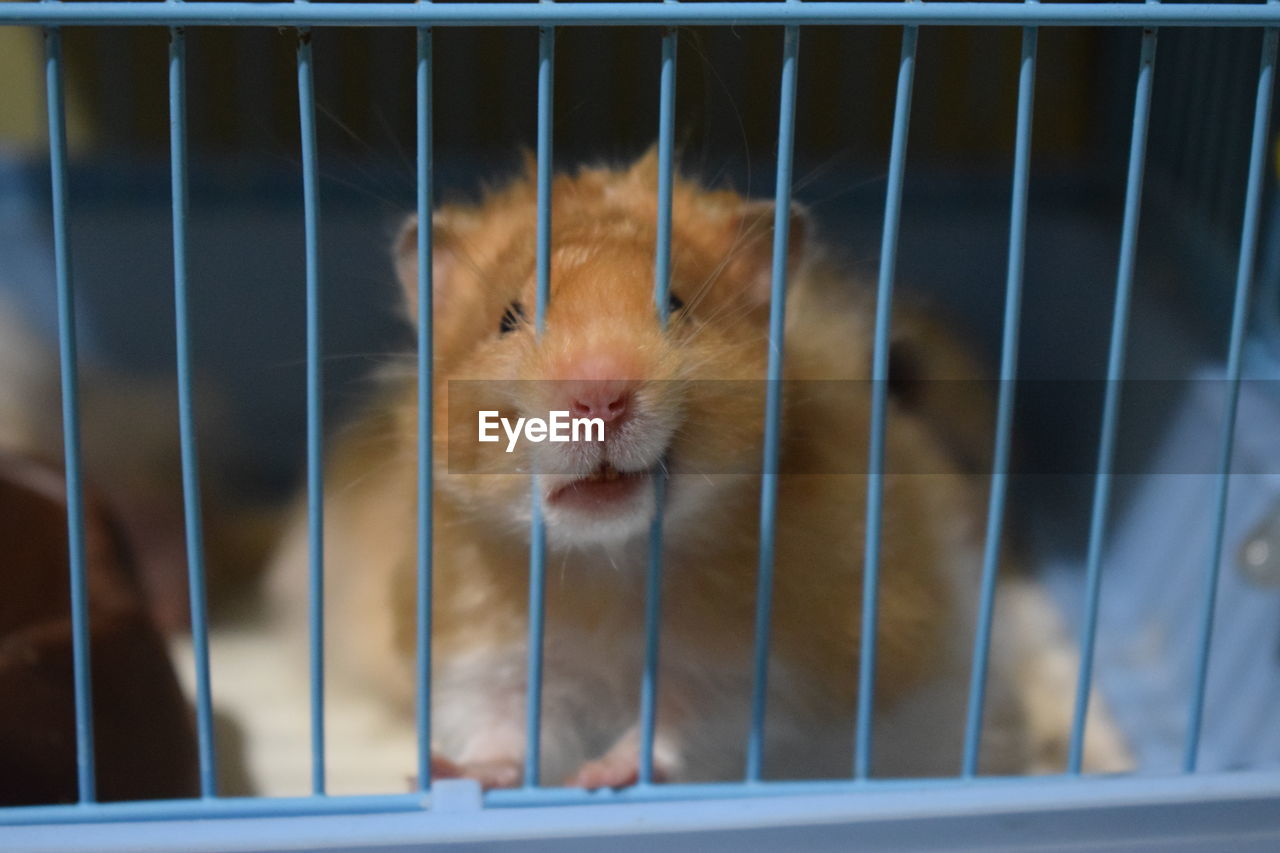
(607, 400)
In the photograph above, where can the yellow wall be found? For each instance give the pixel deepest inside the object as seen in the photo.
(23, 123)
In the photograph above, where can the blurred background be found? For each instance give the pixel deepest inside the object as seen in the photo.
(246, 186)
(246, 248)
(246, 226)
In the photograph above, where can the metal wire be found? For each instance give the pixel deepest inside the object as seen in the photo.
(733, 13)
(1111, 404)
(425, 411)
(791, 14)
(773, 399)
(315, 403)
(661, 298)
(1235, 367)
(538, 531)
(186, 412)
(80, 651)
(879, 403)
(1004, 407)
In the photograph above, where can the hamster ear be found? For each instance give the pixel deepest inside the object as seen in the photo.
(751, 247)
(443, 261)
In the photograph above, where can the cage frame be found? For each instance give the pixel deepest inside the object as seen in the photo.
(1072, 808)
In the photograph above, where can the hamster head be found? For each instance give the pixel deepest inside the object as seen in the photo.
(686, 397)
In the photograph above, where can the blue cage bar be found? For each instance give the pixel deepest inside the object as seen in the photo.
(1235, 368)
(1111, 403)
(879, 401)
(186, 413)
(924, 13)
(70, 417)
(773, 399)
(661, 299)
(538, 529)
(315, 403)
(426, 303)
(852, 800)
(1004, 404)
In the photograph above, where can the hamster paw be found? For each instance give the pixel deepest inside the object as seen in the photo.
(495, 773)
(615, 769)
(441, 768)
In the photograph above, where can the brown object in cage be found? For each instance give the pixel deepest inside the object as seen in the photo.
(144, 741)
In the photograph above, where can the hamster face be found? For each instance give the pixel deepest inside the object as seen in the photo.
(687, 398)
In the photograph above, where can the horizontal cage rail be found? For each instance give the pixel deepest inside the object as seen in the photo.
(987, 795)
(930, 12)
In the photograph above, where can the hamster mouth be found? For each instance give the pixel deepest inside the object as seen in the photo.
(604, 489)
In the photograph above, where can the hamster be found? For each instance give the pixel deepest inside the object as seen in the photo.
(687, 399)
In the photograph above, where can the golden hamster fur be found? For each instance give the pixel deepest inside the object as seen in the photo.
(690, 398)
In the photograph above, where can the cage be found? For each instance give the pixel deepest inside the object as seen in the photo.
(1120, 274)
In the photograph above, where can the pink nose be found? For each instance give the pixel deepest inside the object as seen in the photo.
(607, 399)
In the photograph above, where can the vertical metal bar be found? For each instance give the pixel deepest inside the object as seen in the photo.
(425, 409)
(1111, 403)
(1004, 410)
(546, 111)
(1235, 365)
(85, 775)
(538, 531)
(186, 410)
(773, 398)
(661, 298)
(879, 402)
(666, 173)
(315, 391)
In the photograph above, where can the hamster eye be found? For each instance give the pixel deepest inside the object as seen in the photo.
(674, 303)
(511, 318)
